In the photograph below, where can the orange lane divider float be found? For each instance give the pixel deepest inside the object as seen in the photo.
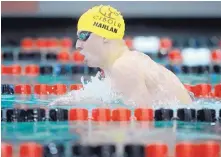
(216, 55)
(175, 56)
(44, 89)
(63, 56)
(24, 89)
(202, 149)
(43, 42)
(107, 114)
(78, 57)
(199, 90)
(204, 90)
(11, 69)
(27, 43)
(32, 70)
(217, 91)
(31, 149)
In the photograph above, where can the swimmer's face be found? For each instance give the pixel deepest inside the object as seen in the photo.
(92, 47)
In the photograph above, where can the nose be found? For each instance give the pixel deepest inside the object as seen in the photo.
(79, 45)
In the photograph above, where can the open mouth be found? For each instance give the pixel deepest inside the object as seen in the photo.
(79, 49)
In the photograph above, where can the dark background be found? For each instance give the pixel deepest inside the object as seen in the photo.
(173, 19)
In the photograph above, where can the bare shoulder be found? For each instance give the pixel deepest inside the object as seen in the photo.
(127, 76)
(129, 68)
(132, 58)
(126, 64)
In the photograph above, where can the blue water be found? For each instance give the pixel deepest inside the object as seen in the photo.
(44, 132)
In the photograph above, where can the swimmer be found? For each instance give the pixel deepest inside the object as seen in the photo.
(136, 76)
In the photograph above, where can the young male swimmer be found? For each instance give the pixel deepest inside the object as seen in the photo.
(133, 74)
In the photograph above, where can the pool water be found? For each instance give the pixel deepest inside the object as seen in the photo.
(21, 129)
(10, 100)
(66, 132)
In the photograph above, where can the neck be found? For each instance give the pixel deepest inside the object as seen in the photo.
(114, 54)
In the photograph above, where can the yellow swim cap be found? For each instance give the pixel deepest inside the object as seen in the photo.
(104, 21)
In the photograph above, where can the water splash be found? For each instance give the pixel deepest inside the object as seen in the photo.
(96, 91)
(99, 91)
(99, 88)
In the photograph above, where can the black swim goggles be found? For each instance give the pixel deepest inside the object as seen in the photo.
(83, 35)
